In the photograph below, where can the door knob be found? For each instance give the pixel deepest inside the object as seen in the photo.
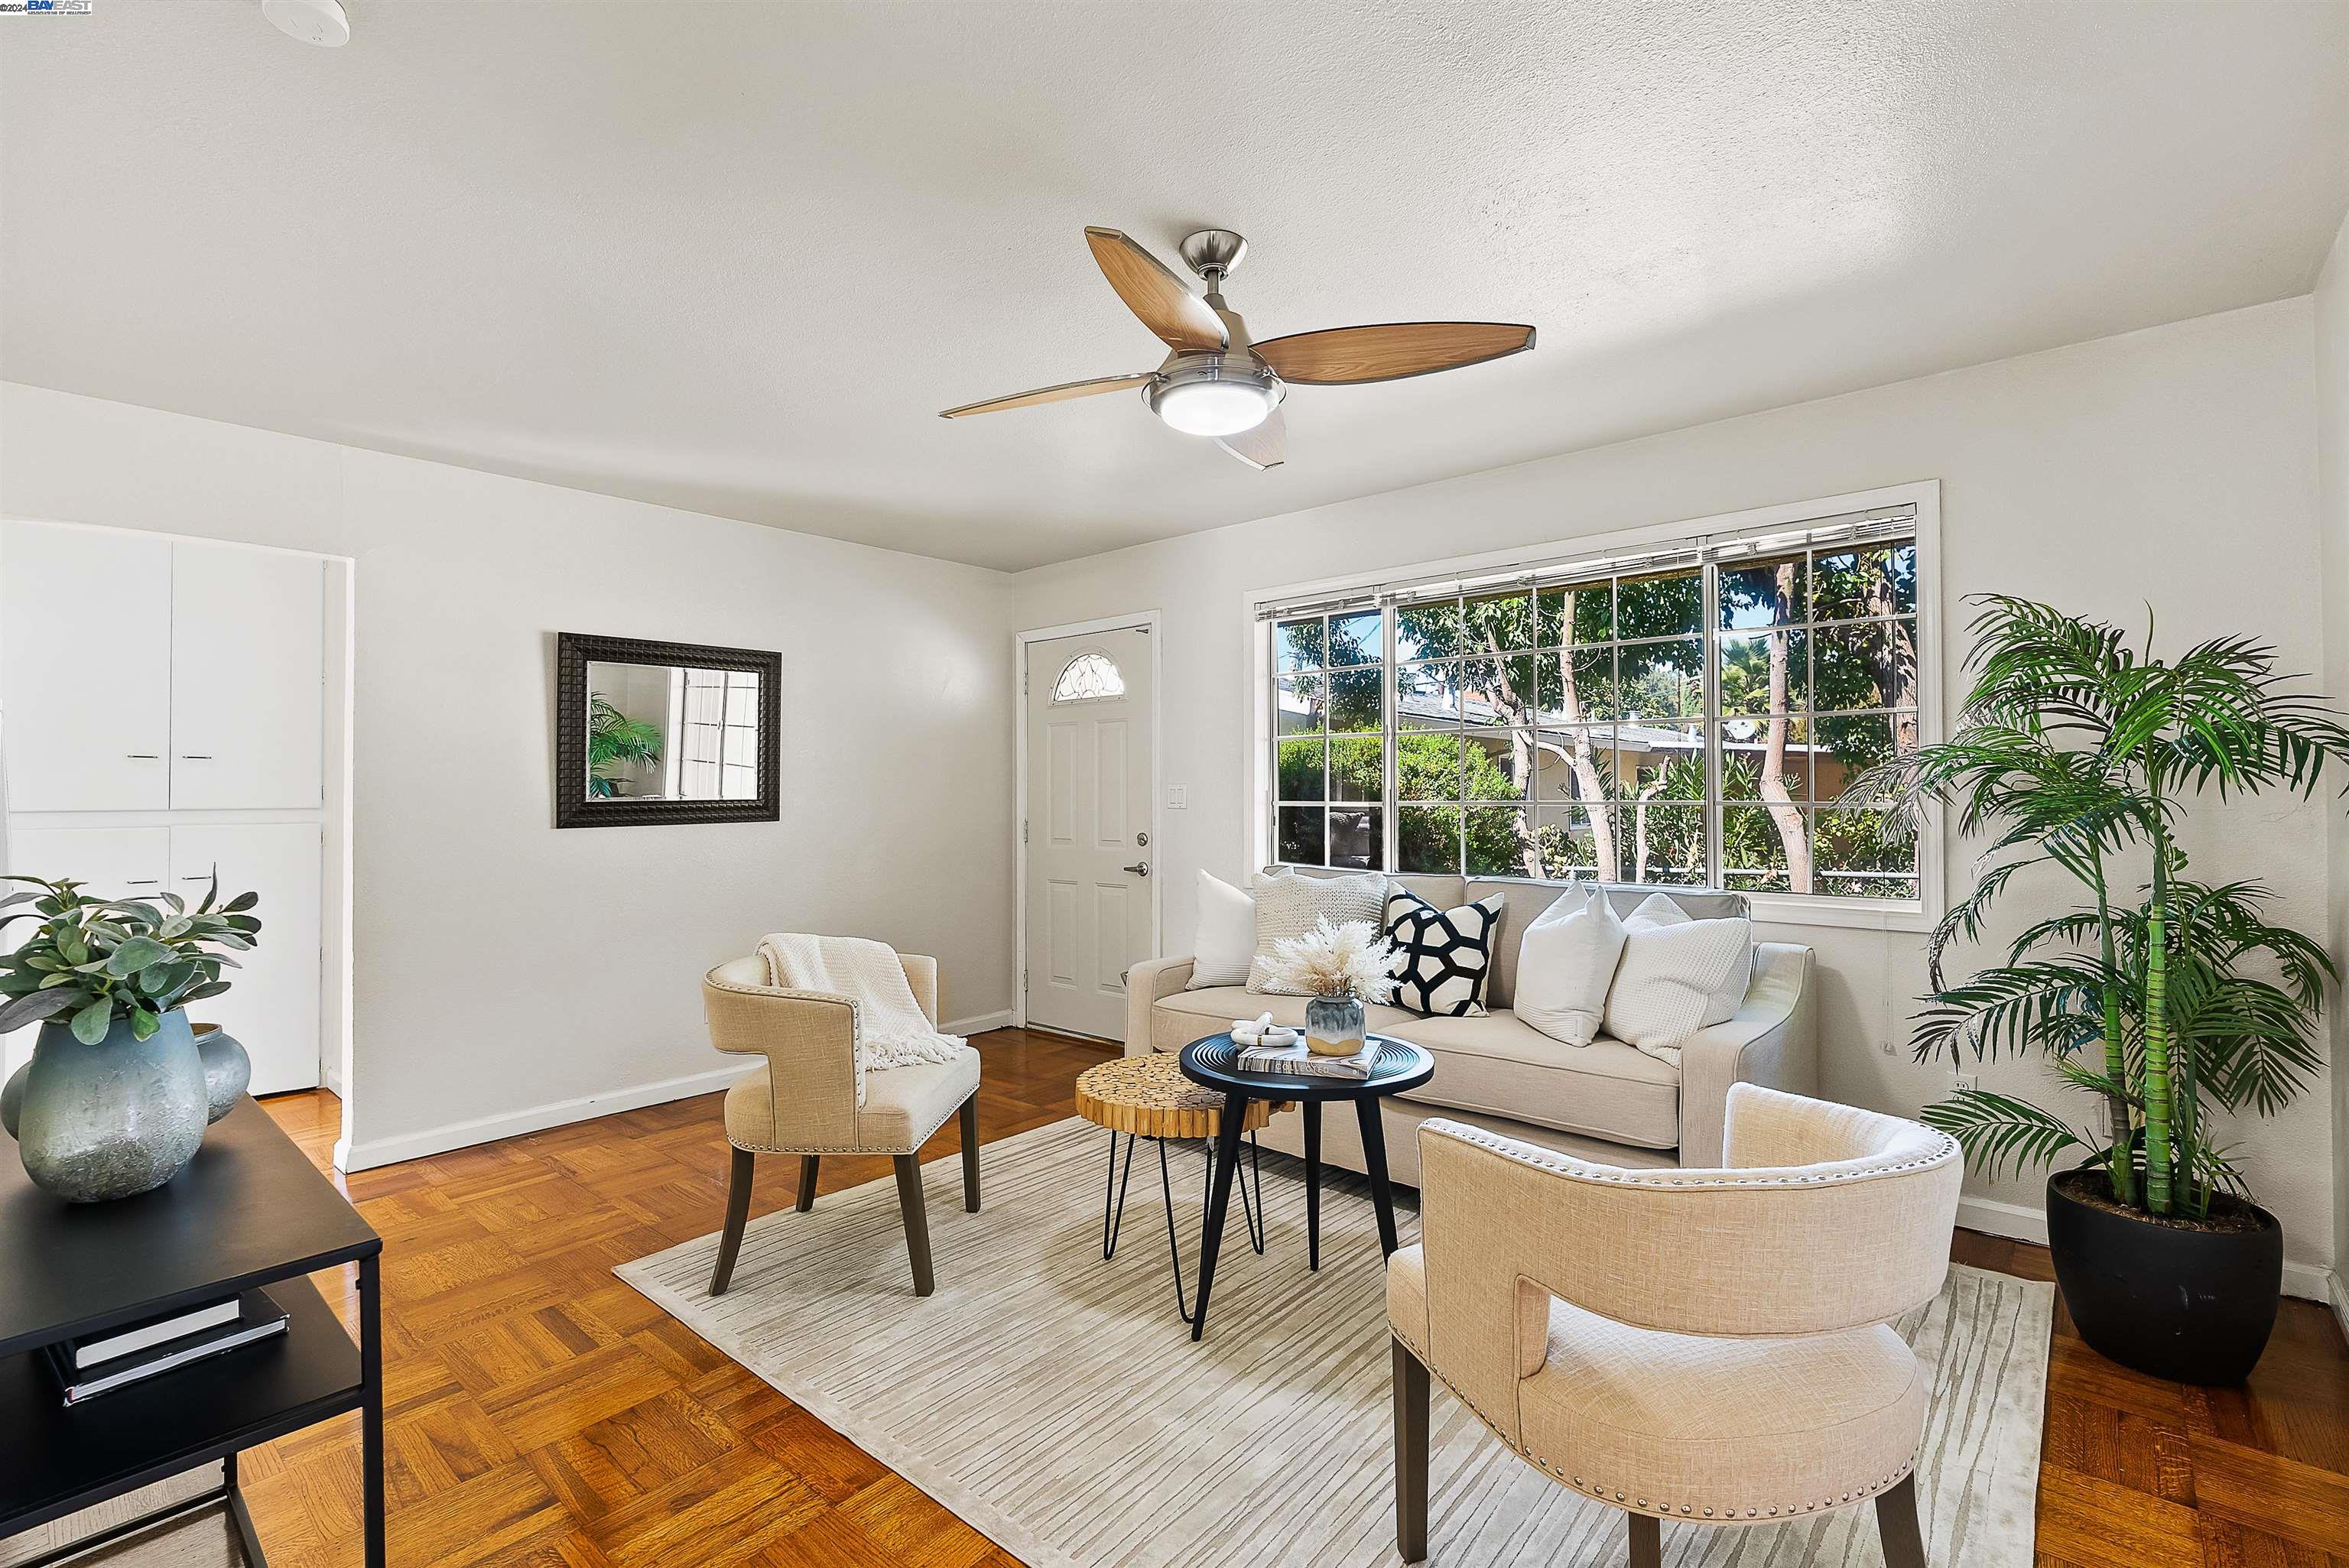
(1139, 868)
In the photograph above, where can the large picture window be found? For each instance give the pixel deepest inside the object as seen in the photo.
(1688, 716)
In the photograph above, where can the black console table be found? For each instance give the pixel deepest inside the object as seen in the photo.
(251, 1210)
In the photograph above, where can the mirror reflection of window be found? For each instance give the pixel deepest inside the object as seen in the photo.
(715, 737)
(666, 732)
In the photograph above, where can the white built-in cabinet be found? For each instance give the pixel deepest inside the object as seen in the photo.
(162, 717)
(85, 669)
(247, 648)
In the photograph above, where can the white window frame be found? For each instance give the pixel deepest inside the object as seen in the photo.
(1920, 914)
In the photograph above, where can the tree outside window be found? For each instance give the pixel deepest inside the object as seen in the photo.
(1557, 731)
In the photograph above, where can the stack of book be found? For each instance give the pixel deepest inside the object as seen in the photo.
(98, 1363)
(1298, 1061)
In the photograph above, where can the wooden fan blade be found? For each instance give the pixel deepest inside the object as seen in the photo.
(1062, 393)
(1166, 307)
(1346, 355)
(1264, 446)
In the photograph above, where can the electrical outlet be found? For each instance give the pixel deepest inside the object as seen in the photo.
(1967, 1085)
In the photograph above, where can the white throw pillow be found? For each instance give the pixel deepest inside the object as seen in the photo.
(1566, 962)
(1289, 906)
(1225, 944)
(1677, 975)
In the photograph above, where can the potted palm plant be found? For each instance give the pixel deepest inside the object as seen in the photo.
(616, 744)
(2167, 999)
(114, 1101)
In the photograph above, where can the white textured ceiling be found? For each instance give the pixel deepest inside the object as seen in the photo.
(735, 256)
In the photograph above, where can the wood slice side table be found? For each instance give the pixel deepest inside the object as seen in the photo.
(1147, 1096)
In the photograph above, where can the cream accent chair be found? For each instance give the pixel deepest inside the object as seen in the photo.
(1709, 1346)
(802, 1099)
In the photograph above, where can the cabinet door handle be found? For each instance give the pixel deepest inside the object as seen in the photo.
(144, 881)
(196, 757)
(144, 755)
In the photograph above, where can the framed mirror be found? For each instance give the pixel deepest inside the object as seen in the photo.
(664, 732)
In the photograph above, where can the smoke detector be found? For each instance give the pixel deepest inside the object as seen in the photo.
(319, 22)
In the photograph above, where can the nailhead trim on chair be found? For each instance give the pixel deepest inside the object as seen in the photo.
(853, 1148)
(1945, 1147)
(1758, 1514)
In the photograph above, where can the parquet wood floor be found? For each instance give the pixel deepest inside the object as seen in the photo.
(540, 1414)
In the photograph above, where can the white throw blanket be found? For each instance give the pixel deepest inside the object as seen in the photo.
(889, 1027)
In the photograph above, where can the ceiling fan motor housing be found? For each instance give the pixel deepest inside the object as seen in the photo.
(1215, 392)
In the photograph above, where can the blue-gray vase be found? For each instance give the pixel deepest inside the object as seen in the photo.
(1334, 1025)
(228, 1071)
(113, 1120)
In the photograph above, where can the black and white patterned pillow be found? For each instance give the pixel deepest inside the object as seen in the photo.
(1446, 954)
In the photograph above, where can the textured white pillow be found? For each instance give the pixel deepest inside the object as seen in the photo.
(1225, 944)
(1677, 975)
(1289, 906)
(1566, 962)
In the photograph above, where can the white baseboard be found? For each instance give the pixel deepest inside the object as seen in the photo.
(2337, 1291)
(535, 1118)
(558, 1113)
(2024, 1223)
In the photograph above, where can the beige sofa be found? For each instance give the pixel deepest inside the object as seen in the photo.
(1604, 1101)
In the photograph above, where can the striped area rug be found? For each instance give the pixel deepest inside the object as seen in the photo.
(1055, 1401)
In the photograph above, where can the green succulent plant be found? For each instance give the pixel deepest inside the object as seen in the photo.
(97, 959)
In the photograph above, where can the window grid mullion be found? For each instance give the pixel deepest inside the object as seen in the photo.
(1391, 780)
(1328, 785)
(1710, 685)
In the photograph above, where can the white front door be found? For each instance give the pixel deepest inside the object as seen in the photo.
(1090, 858)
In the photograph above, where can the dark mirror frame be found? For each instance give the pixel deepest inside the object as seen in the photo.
(573, 807)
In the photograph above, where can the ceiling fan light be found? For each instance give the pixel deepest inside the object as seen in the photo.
(1214, 394)
(1214, 407)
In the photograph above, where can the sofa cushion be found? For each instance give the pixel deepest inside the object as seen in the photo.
(1677, 975)
(1441, 955)
(1523, 902)
(1493, 1065)
(1565, 964)
(1225, 944)
(1289, 906)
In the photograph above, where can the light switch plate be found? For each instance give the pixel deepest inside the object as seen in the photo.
(1179, 797)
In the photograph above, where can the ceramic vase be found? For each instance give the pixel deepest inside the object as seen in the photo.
(113, 1120)
(228, 1071)
(1333, 1025)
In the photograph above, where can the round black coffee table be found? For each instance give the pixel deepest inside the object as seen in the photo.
(1213, 1063)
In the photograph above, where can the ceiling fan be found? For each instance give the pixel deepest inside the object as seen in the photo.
(1218, 381)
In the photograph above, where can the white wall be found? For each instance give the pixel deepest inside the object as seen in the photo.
(2175, 466)
(505, 971)
(2332, 330)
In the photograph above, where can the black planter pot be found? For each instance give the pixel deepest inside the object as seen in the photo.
(2193, 1306)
